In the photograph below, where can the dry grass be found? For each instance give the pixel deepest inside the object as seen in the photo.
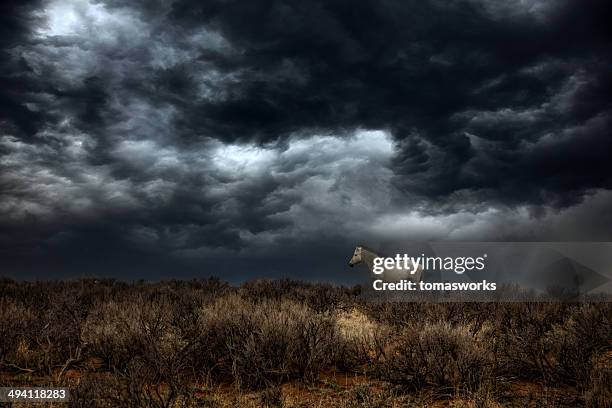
(291, 344)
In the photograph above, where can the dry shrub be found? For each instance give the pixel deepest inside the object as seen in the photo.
(15, 321)
(157, 340)
(476, 401)
(139, 343)
(363, 340)
(396, 314)
(92, 392)
(272, 397)
(113, 332)
(585, 333)
(151, 385)
(30, 340)
(598, 392)
(453, 358)
(269, 341)
(118, 332)
(367, 395)
(320, 297)
(524, 351)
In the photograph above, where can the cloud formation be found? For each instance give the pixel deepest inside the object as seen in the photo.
(145, 139)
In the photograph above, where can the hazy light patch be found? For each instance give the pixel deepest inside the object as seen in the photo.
(567, 96)
(166, 53)
(70, 186)
(319, 180)
(165, 56)
(236, 160)
(148, 154)
(339, 181)
(409, 225)
(501, 116)
(512, 9)
(72, 17)
(370, 144)
(17, 150)
(63, 18)
(91, 22)
(322, 156)
(214, 84)
(488, 224)
(211, 40)
(15, 209)
(69, 64)
(141, 121)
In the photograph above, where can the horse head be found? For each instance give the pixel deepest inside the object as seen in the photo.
(356, 258)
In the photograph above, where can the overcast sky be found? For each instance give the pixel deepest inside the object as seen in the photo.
(157, 139)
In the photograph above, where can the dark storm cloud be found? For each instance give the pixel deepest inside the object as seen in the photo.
(136, 134)
(434, 71)
(15, 22)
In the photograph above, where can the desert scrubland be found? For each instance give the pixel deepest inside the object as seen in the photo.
(293, 344)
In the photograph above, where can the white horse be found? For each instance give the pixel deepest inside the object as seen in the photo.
(366, 255)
